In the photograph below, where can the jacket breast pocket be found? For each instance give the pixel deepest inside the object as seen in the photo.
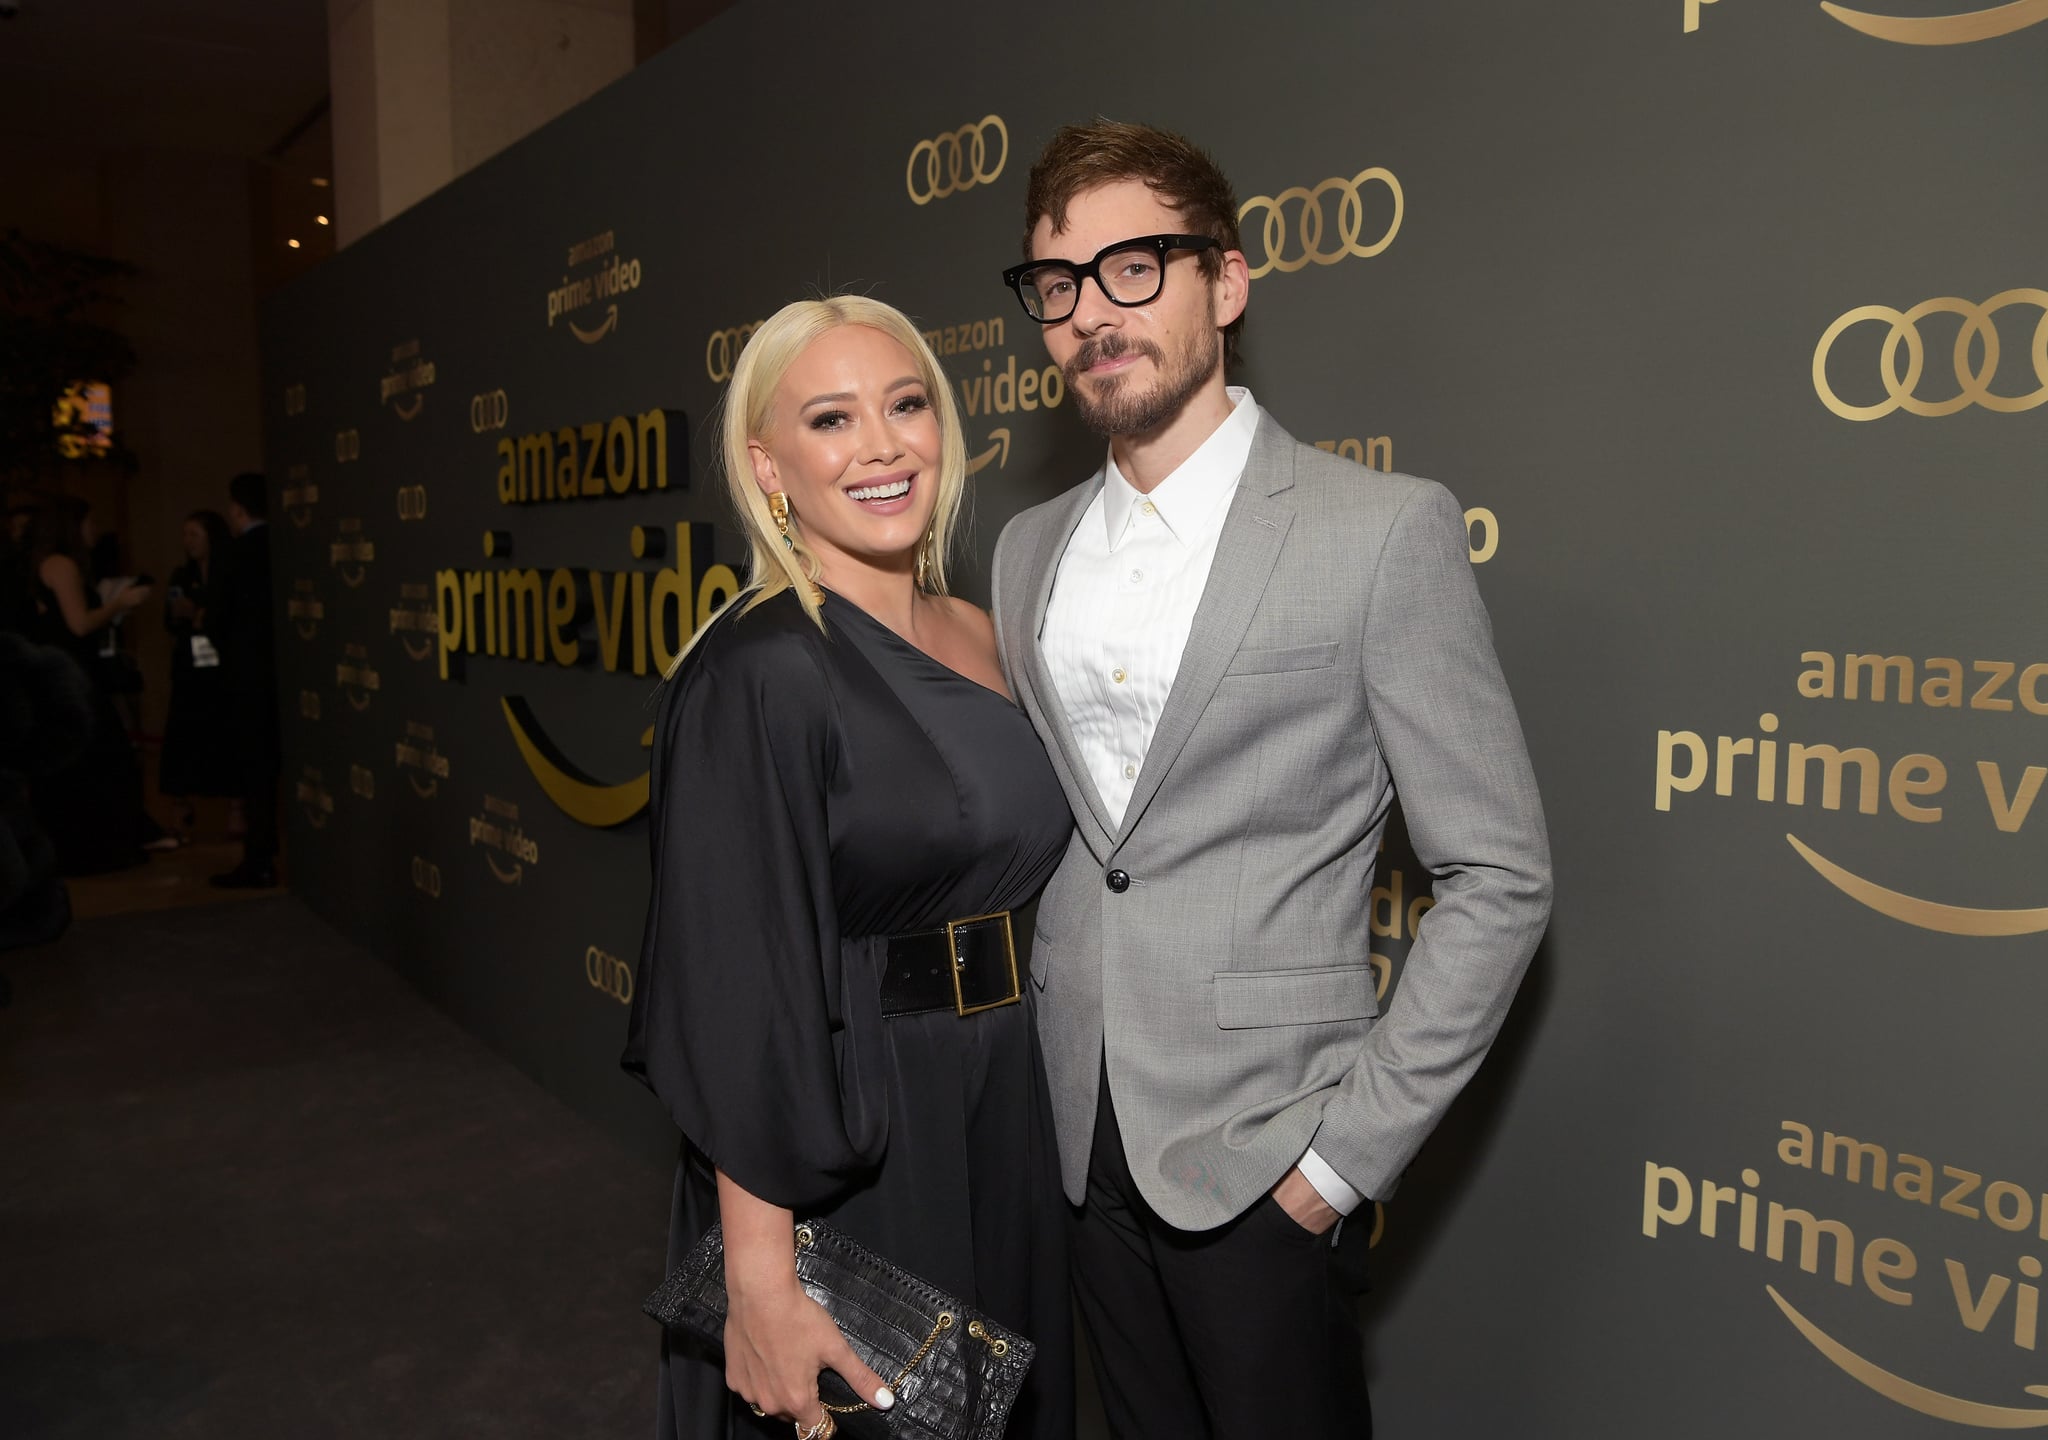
(1282, 658)
(1252, 999)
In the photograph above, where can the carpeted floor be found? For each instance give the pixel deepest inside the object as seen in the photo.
(252, 1185)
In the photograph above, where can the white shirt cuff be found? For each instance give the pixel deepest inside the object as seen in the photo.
(1334, 1188)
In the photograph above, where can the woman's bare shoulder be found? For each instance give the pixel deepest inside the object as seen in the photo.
(971, 618)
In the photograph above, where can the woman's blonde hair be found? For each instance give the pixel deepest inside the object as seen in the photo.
(774, 567)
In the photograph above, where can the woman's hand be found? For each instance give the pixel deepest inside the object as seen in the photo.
(777, 1342)
(778, 1339)
(132, 596)
(67, 584)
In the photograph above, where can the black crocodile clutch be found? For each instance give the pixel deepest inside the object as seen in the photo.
(955, 1372)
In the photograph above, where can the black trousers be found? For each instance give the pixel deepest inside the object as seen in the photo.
(259, 778)
(1246, 1332)
(258, 762)
(259, 813)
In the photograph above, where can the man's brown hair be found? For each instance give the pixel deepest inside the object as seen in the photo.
(1080, 158)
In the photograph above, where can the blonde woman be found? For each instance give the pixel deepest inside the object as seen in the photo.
(839, 773)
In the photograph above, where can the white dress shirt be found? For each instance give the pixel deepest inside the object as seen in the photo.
(1122, 604)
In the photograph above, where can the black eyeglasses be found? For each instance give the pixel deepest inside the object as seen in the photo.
(1130, 272)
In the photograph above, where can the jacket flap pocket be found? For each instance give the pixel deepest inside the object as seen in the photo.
(1039, 958)
(1247, 999)
(1284, 657)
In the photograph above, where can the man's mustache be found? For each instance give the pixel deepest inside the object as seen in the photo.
(1113, 346)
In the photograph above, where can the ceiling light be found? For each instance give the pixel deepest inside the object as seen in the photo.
(321, 181)
(293, 243)
(319, 219)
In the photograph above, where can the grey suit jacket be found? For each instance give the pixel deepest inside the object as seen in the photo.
(1340, 654)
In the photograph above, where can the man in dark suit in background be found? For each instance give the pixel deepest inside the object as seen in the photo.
(243, 628)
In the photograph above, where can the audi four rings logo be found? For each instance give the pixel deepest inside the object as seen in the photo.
(722, 351)
(956, 161)
(426, 876)
(1317, 240)
(1979, 334)
(609, 974)
(489, 412)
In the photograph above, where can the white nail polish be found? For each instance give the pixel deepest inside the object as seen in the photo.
(884, 1398)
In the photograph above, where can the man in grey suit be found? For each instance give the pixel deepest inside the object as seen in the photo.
(1239, 650)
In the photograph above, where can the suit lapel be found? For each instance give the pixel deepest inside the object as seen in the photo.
(1254, 529)
(1041, 696)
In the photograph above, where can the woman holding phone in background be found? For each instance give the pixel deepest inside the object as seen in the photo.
(198, 758)
(92, 808)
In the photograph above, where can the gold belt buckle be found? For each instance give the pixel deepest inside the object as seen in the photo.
(953, 927)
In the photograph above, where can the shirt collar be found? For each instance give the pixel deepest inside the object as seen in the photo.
(1193, 496)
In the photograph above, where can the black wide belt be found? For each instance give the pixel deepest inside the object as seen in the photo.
(963, 966)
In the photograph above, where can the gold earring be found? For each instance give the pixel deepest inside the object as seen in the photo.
(924, 561)
(778, 508)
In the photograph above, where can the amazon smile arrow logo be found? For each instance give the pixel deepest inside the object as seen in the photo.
(597, 333)
(1911, 910)
(1960, 29)
(575, 793)
(999, 441)
(1901, 1391)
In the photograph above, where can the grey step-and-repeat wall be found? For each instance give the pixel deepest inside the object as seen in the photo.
(1724, 318)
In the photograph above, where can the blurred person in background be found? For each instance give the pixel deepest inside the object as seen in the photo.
(92, 806)
(16, 610)
(240, 625)
(115, 668)
(46, 714)
(198, 755)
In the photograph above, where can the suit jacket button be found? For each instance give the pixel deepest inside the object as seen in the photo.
(1118, 881)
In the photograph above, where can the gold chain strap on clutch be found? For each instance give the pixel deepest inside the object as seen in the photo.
(939, 1327)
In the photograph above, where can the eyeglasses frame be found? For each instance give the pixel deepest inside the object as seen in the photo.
(1082, 271)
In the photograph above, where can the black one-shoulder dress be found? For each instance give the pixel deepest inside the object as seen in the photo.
(814, 793)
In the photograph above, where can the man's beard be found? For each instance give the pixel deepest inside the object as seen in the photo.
(1113, 406)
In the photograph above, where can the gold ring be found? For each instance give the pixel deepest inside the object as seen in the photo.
(757, 1410)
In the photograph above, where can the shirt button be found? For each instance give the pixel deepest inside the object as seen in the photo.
(1130, 772)
(1150, 508)
(1137, 576)
(1117, 675)
(1117, 881)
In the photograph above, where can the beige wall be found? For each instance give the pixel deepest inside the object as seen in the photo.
(424, 90)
